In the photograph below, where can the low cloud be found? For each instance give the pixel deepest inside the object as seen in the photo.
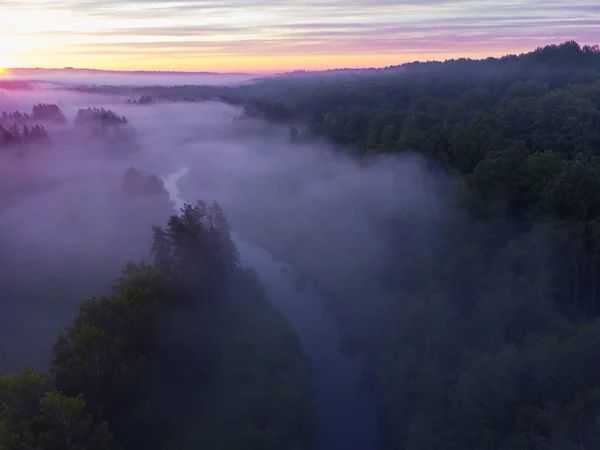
(67, 228)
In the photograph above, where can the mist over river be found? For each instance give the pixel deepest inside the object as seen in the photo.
(347, 417)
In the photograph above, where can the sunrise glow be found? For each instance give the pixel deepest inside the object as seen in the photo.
(272, 35)
(5, 62)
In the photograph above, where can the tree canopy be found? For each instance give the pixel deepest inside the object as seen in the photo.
(167, 359)
(491, 343)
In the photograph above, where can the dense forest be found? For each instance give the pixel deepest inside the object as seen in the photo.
(169, 359)
(487, 335)
(174, 356)
(41, 112)
(484, 334)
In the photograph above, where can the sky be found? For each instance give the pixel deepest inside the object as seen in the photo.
(266, 36)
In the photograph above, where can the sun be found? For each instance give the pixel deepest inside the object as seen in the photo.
(5, 63)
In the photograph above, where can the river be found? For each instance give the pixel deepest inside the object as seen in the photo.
(347, 416)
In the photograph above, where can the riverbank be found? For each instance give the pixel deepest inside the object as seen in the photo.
(346, 414)
(264, 396)
(331, 306)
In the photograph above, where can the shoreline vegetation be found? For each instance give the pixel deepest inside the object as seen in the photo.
(169, 360)
(490, 344)
(493, 342)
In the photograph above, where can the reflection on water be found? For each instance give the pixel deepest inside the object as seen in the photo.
(347, 414)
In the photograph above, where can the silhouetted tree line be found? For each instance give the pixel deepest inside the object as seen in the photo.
(173, 358)
(18, 117)
(19, 130)
(19, 137)
(40, 113)
(48, 112)
(488, 336)
(114, 132)
(99, 116)
(142, 100)
(135, 182)
(272, 111)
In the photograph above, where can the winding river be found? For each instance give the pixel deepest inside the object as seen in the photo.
(347, 416)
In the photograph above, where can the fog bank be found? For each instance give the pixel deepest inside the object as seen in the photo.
(66, 223)
(72, 77)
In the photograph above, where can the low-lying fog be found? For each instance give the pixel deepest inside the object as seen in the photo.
(66, 227)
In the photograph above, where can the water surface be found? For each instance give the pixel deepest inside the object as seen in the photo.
(347, 418)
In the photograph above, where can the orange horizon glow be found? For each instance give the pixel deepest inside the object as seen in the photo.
(266, 65)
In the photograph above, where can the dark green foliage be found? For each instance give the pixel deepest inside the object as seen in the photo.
(263, 396)
(34, 415)
(276, 112)
(195, 252)
(491, 342)
(192, 353)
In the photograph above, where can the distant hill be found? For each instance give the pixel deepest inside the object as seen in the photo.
(335, 72)
(569, 52)
(90, 77)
